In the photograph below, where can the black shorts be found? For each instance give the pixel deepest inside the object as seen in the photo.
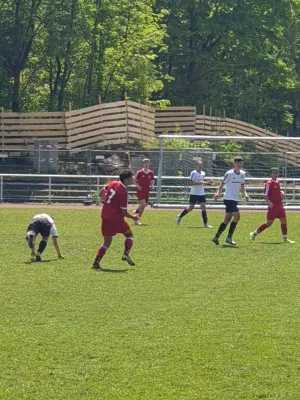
(195, 198)
(231, 206)
(40, 226)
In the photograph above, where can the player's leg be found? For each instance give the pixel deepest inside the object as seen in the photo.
(222, 227)
(204, 214)
(283, 226)
(30, 239)
(262, 227)
(101, 252)
(127, 247)
(140, 210)
(190, 208)
(41, 248)
(236, 218)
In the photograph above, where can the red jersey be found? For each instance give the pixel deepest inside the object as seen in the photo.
(144, 179)
(273, 191)
(116, 199)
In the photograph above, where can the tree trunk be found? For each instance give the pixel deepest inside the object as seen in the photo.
(15, 98)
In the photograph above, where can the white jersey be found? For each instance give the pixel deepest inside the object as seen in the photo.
(233, 183)
(49, 220)
(197, 176)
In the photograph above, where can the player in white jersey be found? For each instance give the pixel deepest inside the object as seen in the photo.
(197, 194)
(234, 180)
(43, 224)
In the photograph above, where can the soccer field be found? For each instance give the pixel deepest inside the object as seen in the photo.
(190, 321)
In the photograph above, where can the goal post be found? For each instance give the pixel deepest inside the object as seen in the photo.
(175, 166)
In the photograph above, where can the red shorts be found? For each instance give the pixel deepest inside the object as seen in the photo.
(275, 212)
(111, 228)
(141, 195)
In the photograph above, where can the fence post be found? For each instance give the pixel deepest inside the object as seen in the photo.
(49, 199)
(285, 178)
(141, 121)
(98, 192)
(294, 184)
(39, 159)
(160, 170)
(1, 189)
(203, 126)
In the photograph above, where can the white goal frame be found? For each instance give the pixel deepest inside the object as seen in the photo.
(209, 138)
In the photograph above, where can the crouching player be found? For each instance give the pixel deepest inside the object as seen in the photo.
(273, 196)
(115, 198)
(43, 224)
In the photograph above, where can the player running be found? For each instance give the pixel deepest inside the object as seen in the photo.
(273, 196)
(144, 179)
(197, 194)
(234, 180)
(115, 199)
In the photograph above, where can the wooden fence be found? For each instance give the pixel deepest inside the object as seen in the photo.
(120, 123)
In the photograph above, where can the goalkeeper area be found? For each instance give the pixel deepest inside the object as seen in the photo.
(259, 154)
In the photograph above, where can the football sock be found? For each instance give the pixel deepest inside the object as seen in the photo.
(128, 244)
(261, 228)
(137, 211)
(284, 230)
(100, 253)
(184, 212)
(232, 228)
(42, 247)
(204, 217)
(221, 229)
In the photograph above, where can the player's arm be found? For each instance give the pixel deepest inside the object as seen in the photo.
(266, 195)
(210, 182)
(219, 191)
(136, 180)
(191, 183)
(102, 193)
(54, 234)
(243, 191)
(126, 214)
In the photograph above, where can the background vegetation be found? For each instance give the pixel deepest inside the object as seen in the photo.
(238, 56)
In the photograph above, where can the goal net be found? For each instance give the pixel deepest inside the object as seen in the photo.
(176, 165)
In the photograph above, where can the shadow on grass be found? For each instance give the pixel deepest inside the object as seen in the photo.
(227, 246)
(111, 271)
(38, 262)
(271, 243)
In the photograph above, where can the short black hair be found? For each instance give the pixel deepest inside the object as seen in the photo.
(126, 174)
(238, 158)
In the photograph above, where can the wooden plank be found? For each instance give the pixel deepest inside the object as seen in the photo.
(32, 115)
(84, 129)
(114, 123)
(172, 124)
(24, 121)
(113, 130)
(173, 108)
(86, 122)
(84, 117)
(141, 106)
(34, 127)
(83, 111)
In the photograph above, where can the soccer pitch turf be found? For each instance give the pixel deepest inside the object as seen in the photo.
(190, 321)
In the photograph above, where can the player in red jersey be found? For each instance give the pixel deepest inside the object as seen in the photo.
(144, 179)
(115, 198)
(273, 196)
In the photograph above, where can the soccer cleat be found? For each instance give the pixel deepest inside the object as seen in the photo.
(38, 258)
(286, 240)
(230, 241)
(252, 236)
(178, 220)
(137, 223)
(207, 226)
(128, 259)
(96, 266)
(215, 240)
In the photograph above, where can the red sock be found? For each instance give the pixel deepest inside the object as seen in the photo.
(137, 211)
(100, 253)
(283, 229)
(128, 244)
(262, 228)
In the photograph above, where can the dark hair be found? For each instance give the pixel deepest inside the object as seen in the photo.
(238, 158)
(273, 169)
(126, 174)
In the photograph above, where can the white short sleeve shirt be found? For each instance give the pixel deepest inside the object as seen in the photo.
(233, 182)
(197, 176)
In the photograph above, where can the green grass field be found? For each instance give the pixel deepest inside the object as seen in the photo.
(190, 321)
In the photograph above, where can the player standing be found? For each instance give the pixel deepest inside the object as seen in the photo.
(234, 180)
(197, 194)
(144, 179)
(273, 196)
(43, 224)
(115, 198)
